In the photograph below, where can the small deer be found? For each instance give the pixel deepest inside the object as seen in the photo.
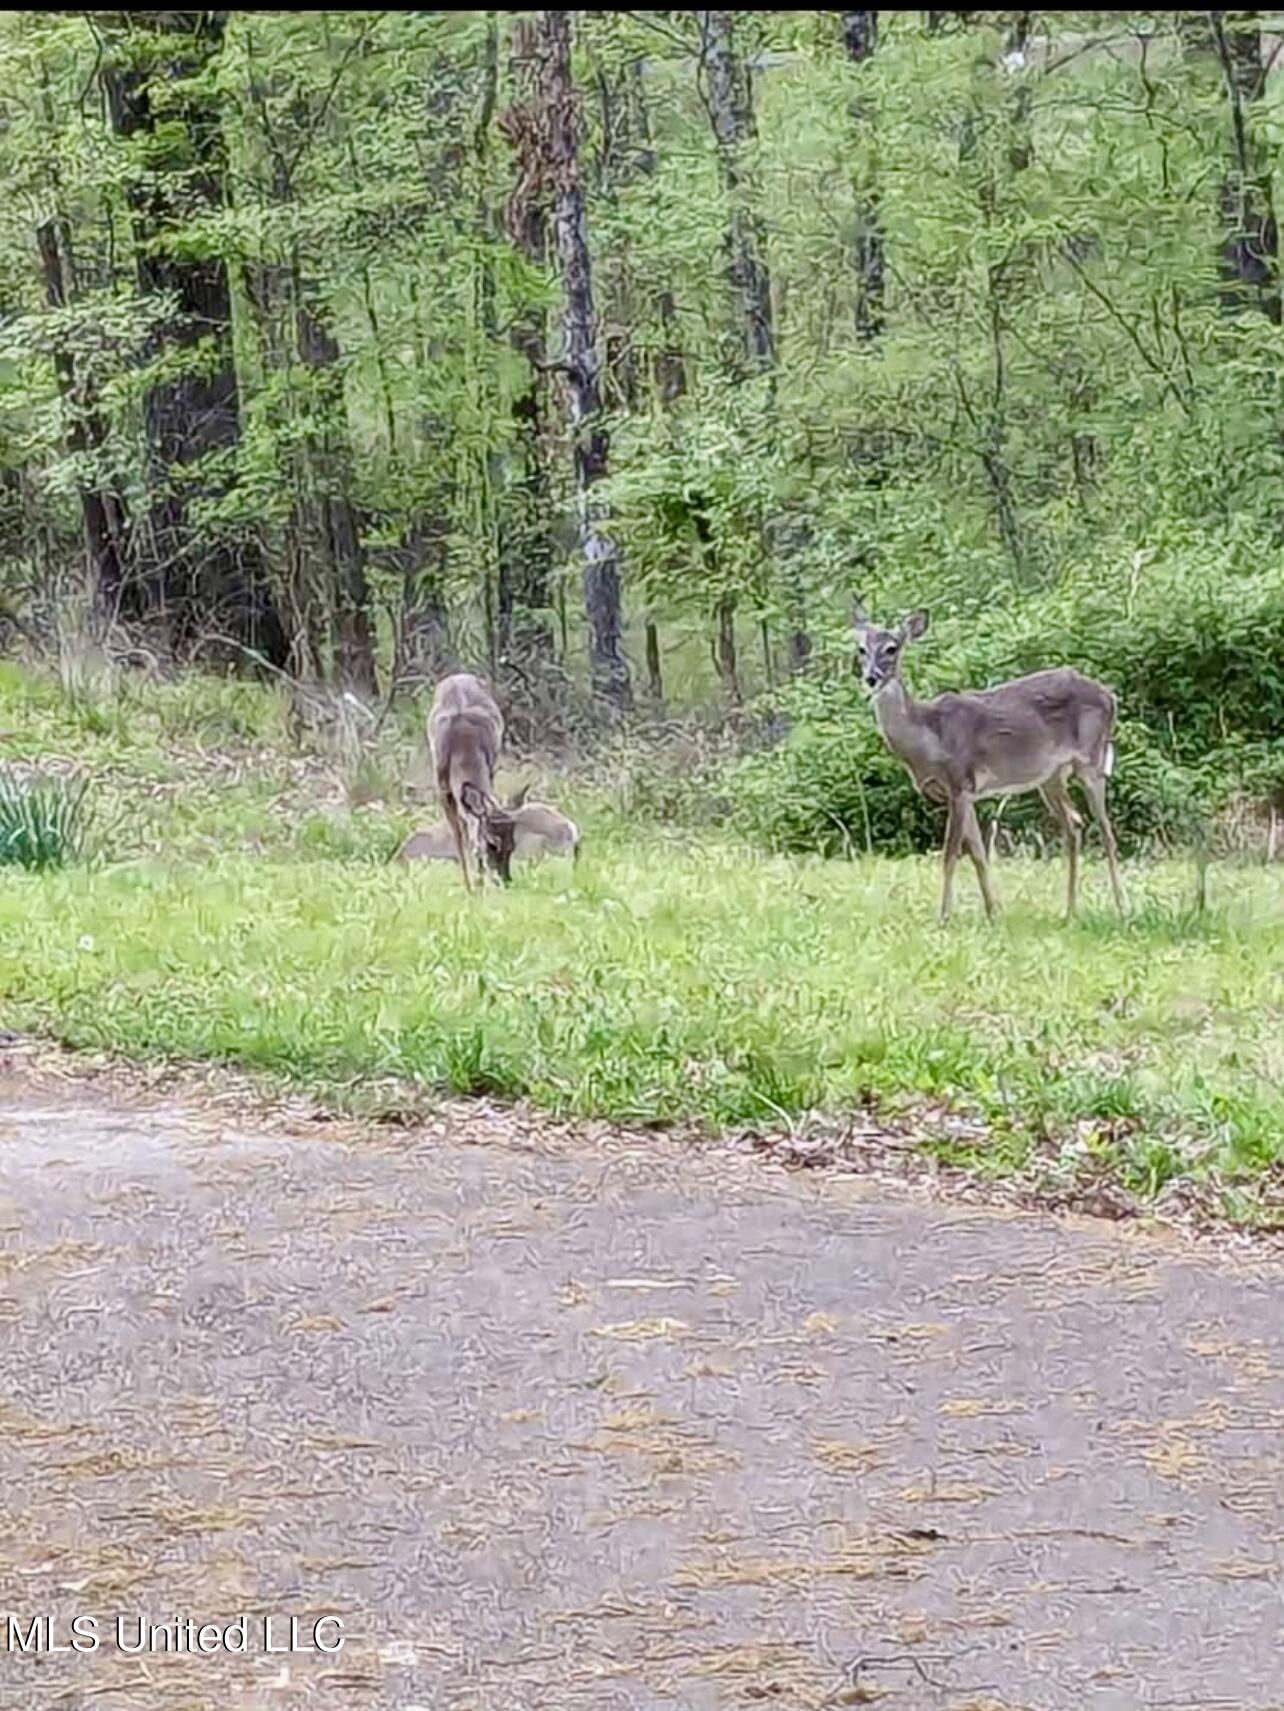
(1031, 733)
(543, 830)
(465, 733)
(538, 830)
(429, 843)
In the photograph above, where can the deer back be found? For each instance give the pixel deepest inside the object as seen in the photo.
(1007, 739)
(465, 734)
(542, 828)
(429, 843)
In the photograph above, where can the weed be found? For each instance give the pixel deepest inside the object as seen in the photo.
(43, 821)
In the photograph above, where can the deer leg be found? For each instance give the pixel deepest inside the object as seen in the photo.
(949, 857)
(1094, 787)
(455, 820)
(1057, 799)
(976, 849)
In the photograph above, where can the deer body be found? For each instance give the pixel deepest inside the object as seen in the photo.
(1031, 733)
(542, 830)
(997, 742)
(465, 734)
(537, 830)
(430, 843)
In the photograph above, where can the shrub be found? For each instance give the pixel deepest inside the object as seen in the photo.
(1193, 649)
(42, 821)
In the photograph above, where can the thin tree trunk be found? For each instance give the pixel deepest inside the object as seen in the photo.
(627, 155)
(654, 669)
(580, 361)
(272, 293)
(526, 218)
(1020, 148)
(860, 36)
(193, 415)
(335, 526)
(102, 510)
(730, 101)
(1250, 247)
(423, 639)
(725, 655)
(325, 553)
(731, 114)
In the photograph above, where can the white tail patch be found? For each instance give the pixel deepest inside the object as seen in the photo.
(1109, 766)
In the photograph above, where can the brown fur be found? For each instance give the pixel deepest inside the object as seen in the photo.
(1031, 733)
(465, 734)
(538, 830)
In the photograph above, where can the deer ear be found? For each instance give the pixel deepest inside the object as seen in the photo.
(915, 625)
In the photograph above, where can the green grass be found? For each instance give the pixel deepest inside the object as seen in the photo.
(671, 978)
(43, 821)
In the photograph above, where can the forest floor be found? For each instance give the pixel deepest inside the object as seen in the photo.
(553, 1416)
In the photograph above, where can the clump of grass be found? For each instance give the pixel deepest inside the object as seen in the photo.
(43, 821)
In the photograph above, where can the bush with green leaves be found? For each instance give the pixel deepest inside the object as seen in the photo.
(1192, 645)
(43, 821)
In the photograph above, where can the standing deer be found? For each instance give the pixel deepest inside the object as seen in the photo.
(465, 732)
(1031, 733)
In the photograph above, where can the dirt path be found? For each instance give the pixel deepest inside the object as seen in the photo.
(558, 1424)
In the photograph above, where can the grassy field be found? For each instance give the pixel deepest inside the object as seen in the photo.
(238, 909)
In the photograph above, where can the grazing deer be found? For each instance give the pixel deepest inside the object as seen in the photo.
(542, 830)
(1032, 733)
(537, 830)
(429, 843)
(465, 732)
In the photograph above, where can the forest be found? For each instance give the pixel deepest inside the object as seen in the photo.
(697, 1258)
(615, 354)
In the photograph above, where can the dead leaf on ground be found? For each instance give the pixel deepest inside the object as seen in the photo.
(979, 1407)
(643, 1330)
(850, 1456)
(947, 1491)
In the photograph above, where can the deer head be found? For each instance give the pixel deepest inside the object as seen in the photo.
(878, 652)
(496, 830)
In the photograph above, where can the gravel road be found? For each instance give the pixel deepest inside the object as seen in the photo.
(556, 1420)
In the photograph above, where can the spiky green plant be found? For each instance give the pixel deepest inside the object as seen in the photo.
(43, 821)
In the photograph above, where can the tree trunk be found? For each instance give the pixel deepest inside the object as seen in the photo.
(423, 651)
(102, 510)
(670, 365)
(159, 79)
(627, 155)
(730, 101)
(332, 520)
(731, 114)
(725, 656)
(529, 550)
(654, 670)
(580, 361)
(1016, 46)
(860, 36)
(1250, 247)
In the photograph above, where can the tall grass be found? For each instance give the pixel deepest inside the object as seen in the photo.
(43, 821)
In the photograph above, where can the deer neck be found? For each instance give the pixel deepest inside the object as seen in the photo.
(896, 712)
